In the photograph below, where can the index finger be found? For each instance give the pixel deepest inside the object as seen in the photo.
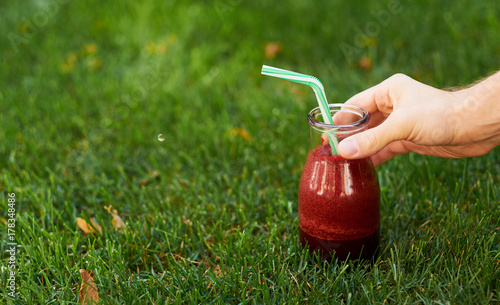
(379, 97)
(365, 99)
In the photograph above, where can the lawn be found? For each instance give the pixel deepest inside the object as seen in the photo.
(158, 109)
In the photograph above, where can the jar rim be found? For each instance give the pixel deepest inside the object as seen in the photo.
(320, 126)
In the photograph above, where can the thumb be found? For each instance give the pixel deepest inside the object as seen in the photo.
(371, 141)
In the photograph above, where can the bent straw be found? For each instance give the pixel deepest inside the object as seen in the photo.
(318, 89)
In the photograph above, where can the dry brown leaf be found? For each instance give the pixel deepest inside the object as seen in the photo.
(117, 221)
(240, 132)
(218, 271)
(365, 63)
(90, 49)
(86, 227)
(88, 289)
(186, 220)
(272, 49)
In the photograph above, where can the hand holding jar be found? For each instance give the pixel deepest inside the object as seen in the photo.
(408, 116)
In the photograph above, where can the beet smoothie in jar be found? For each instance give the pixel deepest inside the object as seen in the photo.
(339, 199)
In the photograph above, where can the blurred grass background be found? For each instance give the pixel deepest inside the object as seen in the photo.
(212, 211)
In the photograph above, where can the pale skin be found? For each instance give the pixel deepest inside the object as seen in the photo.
(409, 116)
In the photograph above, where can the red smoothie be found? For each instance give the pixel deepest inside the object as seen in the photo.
(339, 206)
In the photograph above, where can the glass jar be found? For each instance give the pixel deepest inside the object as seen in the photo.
(339, 199)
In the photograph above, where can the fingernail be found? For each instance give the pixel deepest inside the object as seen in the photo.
(348, 147)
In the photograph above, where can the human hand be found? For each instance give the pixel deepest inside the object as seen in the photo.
(408, 116)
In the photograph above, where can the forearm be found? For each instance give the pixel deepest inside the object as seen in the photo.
(480, 111)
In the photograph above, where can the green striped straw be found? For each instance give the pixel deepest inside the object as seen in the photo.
(318, 89)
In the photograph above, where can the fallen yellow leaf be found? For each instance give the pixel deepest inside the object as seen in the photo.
(272, 49)
(86, 227)
(90, 48)
(88, 289)
(117, 221)
(365, 63)
(240, 132)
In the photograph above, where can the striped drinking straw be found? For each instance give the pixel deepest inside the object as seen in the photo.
(318, 89)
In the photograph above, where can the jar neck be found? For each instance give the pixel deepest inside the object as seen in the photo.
(348, 120)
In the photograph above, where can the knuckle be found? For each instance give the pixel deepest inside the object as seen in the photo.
(396, 83)
(399, 79)
(371, 140)
(400, 76)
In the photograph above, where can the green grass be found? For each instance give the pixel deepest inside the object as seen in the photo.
(78, 132)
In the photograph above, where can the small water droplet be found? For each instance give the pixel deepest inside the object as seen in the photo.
(161, 138)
